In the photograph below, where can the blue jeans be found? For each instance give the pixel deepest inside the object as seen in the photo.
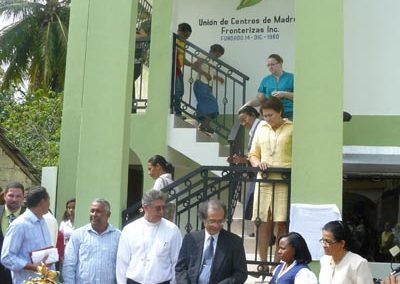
(178, 94)
(207, 106)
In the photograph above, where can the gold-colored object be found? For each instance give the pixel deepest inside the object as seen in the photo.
(47, 276)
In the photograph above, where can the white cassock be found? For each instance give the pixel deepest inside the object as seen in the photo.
(148, 252)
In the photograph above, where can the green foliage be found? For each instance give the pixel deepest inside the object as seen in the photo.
(33, 124)
(247, 3)
(34, 45)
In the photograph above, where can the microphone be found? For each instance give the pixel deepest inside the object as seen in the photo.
(395, 271)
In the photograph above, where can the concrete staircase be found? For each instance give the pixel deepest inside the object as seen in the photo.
(205, 150)
(244, 227)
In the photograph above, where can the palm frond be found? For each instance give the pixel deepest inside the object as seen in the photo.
(17, 36)
(17, 9)
(35, 43)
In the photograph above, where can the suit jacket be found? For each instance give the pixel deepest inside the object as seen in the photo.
(229, 264)
(2, 207)
(4, 272)
(1, 231)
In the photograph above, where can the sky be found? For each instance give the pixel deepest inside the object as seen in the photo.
(4, 22)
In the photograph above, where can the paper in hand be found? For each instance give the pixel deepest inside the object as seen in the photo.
(38, 255)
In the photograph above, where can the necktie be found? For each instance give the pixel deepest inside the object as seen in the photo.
(11, 218)
(207, 262)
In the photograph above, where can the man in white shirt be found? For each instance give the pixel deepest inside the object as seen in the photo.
(212, 255)
(148, 248)
(52, 223)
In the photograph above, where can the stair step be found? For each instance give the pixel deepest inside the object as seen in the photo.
(224, 150)
(247, 226)
(252, 268)
(238, 210)
(248, 242)
(237, 224)
(184, 140)
(188, 123)
(205, 137)
(253, 280)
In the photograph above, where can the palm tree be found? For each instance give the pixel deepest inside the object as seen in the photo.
(33, 47)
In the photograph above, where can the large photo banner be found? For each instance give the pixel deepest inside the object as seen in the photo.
(248, 30)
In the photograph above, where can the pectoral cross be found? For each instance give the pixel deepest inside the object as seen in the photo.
(145, 260)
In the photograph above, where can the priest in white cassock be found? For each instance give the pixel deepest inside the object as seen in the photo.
(149, 247)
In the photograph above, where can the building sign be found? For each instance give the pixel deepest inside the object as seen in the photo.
(249, 31)
(237, 29)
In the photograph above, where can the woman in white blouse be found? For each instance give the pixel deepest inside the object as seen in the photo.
(67, 224)
(339, 265)
(295, 256)
(161, 171)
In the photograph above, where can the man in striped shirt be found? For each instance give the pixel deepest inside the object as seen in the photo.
(91, 252)
(28, 233)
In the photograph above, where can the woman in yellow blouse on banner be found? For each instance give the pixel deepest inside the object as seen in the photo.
(271, 147)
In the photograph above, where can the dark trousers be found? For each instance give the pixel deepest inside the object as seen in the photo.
(130, 281)
(5, 275)
(249, 201)
(178, 93)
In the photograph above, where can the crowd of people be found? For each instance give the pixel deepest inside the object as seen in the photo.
(151, 249)
(279, 84)
(270, 145)
(147, 250)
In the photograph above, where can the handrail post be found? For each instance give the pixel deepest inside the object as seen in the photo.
(202, 184)
(173, 73)
(236, 139)
(216, 105)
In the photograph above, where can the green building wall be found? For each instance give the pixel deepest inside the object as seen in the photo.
(74, 91)
(96, 126)
(149, 129)
(98, 130)
(318, 138)
(372, 130)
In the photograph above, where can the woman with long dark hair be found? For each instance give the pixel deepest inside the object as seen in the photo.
(67, 223)
(161, 171)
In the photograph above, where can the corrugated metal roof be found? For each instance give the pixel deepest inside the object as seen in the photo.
(19, 159)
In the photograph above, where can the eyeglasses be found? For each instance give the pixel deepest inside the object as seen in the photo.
(215, 222)
(158, 208)
(327, 242)
(272, 64)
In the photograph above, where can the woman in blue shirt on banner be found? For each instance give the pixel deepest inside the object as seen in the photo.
(295, 256)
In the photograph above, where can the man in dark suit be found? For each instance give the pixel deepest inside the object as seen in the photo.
(212, 255)
(13, 198)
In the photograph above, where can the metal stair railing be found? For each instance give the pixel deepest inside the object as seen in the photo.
(230, 95)
(230, 185)
(142, 56)
(144, 13)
